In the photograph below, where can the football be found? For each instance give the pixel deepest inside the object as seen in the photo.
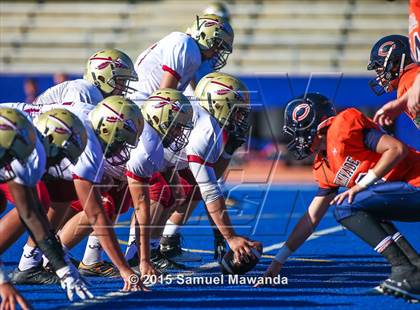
(229, 265)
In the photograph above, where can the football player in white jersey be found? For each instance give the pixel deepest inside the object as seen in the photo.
(24, 153)
(223, 105)
(108, 73)
(168, 122)
(173, 61)
(113, 127)
(168, 116)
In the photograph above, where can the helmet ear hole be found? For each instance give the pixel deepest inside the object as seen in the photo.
(155, 119)
(101, 78)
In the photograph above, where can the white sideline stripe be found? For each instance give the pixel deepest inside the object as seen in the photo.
(315, 235)
(109, 296)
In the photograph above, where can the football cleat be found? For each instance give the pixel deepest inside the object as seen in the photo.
(219, 246)
(230, 266)
(403, 284)
(170, 247)
(161, 263)
(100, 269)
(34, 275)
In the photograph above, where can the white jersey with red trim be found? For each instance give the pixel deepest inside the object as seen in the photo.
(78, 90)
(148, 157)
(90, 163)
(177, 53)
(205, 143)
(205, 146)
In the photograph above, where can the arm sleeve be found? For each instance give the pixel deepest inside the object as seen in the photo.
(205, 177)
(371, 138)
(326, 191)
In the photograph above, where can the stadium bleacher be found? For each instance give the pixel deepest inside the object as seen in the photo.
(271, 36)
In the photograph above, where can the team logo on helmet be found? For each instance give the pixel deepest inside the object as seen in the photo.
(301, 112)
(175, 106)
(106, 61)
(227, 89)
(384, 48)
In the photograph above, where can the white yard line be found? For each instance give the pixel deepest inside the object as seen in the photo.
(112, 295)
(315, 235)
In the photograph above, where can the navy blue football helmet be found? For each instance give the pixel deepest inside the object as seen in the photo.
(389, 56)
(302, 119)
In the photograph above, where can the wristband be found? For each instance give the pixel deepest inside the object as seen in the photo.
(368, 179)
(283, 254)
(3, 277)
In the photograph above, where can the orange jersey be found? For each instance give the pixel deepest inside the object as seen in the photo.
(414, 30)
(406, 81)
(347, 158)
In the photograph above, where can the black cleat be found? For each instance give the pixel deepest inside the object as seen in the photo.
(34, 275)
(170, 247)
(403, 284)
(219, 246)
(162, 263)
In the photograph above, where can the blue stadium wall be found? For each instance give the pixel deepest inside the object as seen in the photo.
(271, 93)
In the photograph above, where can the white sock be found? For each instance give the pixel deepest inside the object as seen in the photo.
(131, 249)
(93, 251)
(31, 257)
(170, 228)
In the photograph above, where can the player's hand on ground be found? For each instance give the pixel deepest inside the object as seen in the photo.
(350, 194)
(10, 297)
(147, 270)
(73, 283)
(132, 282)
(242, 247)
(386, 115)
(272, 271)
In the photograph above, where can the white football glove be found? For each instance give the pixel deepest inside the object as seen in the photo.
(72, 283)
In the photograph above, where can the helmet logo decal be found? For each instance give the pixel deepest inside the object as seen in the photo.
(9, 124)
(113, 119)
(228, 89)
(174, 104)
(106, 61)
(301, 112)
(63, 129)
(384, 48)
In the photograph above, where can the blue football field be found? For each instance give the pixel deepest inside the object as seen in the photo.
(333, 270)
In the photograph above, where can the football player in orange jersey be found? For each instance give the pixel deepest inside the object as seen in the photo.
(396, 70)
(382, 177)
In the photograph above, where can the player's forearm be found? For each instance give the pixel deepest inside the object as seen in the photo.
(218, 213)
(142, 211)
(308, 222)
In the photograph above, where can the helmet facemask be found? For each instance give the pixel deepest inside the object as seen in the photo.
(118, 152)
(177, 132)
(219, 60)
(301, 143)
